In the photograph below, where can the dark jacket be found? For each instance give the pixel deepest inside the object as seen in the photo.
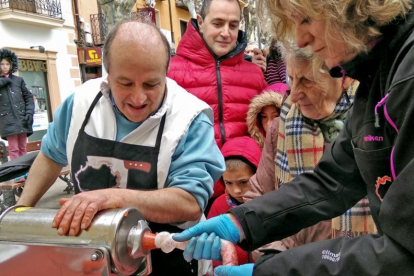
(364, 160)
(16, 102)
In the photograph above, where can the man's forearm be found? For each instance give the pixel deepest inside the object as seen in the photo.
(42, 175)
(168, 205)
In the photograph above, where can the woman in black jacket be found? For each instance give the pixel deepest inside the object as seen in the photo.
(16, 105)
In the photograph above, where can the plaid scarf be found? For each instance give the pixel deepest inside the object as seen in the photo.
(355, 222)
(301, 141)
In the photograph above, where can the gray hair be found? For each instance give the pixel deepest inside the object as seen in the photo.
(112, 34)
(255, 43)
(291, 49)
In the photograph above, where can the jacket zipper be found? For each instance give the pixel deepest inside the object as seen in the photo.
(382, 103)
(220, 103)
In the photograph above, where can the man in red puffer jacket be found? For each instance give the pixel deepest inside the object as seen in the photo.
(210, 65)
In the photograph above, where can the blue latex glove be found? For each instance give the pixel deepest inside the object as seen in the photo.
(242, 270)
(205, 238)
(204, 247)
(221, 225)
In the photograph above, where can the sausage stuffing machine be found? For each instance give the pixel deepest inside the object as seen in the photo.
(110, 246)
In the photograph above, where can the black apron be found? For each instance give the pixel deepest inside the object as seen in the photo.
(101, 163)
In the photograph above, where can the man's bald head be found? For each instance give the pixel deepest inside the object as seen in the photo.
(143, 35)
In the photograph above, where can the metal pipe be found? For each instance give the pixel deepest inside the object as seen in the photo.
(171, 23)
(258, 28)
(82, 66)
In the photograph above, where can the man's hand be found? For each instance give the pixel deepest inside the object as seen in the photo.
(259, 59)
(78, 211)
(242, 270)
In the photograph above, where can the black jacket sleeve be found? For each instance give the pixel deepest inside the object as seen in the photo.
(28, 98)
(388, 254)
(364, 255)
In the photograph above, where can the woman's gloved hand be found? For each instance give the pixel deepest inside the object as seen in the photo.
(221, 225)
(242, 270)
(205, 238)
(204, 247)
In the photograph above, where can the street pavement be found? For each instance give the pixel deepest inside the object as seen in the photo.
(51, 198)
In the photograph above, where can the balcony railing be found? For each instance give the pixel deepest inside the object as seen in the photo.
(99, 28)
(51, 8)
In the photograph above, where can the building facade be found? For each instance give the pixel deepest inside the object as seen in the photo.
(41, 33)
(91, 28)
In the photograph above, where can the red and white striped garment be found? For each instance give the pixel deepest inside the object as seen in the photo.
(275, 71)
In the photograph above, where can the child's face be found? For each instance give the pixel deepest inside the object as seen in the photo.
(5, 67)
(237, 182)
(267, 115)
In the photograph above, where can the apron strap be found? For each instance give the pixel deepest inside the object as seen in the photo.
(88, 114)
(90, 111)
(160, 131)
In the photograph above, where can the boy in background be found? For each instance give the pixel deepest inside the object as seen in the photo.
(242, 156)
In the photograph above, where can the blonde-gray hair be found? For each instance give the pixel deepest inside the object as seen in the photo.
(356, 21)
(289, 48)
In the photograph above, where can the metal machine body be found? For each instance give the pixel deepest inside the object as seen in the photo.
(111, 245)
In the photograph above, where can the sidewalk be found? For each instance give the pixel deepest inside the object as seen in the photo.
(51, 198)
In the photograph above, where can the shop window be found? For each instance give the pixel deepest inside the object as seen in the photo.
(93, 72)
(34, 73)
(183, 27)
(157, 19)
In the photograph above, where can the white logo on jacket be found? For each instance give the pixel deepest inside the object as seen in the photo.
(328, 255)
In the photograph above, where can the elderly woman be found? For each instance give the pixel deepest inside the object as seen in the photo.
(372, 41)
(311, 119)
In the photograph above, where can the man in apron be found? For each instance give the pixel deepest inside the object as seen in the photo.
(133, 138)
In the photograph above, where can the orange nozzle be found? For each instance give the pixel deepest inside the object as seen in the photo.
(148, 241)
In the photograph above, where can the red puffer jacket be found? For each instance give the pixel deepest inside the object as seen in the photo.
(227, 83)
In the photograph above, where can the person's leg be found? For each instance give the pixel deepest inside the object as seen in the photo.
(13, 146)
(22, 143)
